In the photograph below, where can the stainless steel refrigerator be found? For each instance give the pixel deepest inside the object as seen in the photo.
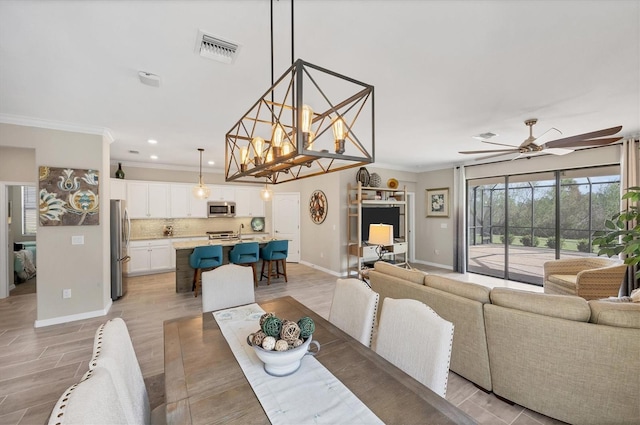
(120, 236)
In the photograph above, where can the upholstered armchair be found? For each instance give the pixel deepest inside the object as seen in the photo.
(590, 277)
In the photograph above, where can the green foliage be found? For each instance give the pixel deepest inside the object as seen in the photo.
(618, 238)
(527, 241)
(583, 246)
(510, 238)
(551, 242)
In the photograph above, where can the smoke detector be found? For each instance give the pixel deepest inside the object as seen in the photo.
(149, 79)
(484, 136)
(212, 47)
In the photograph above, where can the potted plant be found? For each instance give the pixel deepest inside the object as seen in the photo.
(623, 232)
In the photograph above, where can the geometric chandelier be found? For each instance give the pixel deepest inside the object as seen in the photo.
(298, 129)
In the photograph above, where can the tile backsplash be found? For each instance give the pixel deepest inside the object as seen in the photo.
(189, 227)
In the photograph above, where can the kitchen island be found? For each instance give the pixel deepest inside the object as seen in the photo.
(184, 272)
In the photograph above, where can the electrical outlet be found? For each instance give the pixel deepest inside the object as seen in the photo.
(436, 251)
(66, 293)
(322, 255)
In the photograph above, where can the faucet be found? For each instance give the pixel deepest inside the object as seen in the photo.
(240, 230)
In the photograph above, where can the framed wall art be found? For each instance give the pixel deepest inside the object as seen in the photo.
(438, 202)
(318, 206)
(68, 197)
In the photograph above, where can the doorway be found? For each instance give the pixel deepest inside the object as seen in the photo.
(18, 240)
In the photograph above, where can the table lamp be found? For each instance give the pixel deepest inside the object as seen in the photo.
(381, 235)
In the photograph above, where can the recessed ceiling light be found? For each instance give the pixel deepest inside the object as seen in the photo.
(152, 141)
(154, 156)
(211, 163)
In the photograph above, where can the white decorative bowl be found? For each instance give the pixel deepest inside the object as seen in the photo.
(283, 363)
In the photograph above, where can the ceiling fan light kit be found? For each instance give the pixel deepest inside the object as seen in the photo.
(532, 146)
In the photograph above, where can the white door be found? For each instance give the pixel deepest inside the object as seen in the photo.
(286, 222)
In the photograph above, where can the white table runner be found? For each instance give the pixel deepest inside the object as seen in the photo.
(312, 395)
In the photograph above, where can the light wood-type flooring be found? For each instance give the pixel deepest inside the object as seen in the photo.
(37, 365)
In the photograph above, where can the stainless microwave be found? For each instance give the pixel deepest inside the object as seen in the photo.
(221, 209)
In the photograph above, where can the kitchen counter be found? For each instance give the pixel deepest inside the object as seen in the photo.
(184, 272)
(253, 235)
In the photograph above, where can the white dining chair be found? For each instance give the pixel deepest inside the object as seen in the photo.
(415, 339)
(354, 309)
(93, 400)
(113, 351)
(227, 286)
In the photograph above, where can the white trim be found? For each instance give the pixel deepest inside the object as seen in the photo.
(74, 317)
(313, 266)
(440, 266)
(55, 125)
(172, 167)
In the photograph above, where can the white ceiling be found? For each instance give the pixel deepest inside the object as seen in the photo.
(443, 71)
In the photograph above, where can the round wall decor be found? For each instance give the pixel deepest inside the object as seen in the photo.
(318, 206)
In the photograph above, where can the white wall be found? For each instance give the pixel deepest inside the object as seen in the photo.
(82, 268)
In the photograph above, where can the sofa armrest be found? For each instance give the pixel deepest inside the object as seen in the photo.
(564, 266)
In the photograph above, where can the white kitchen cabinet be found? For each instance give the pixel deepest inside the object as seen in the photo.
(118, 189)
(149, 256)
(148, 200)
(248, 202)
(184, 205)
(222, 193)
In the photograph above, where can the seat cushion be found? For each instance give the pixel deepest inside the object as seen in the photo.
(564, 280)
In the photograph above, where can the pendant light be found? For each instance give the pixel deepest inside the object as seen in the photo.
(266, 194)
(200, 191)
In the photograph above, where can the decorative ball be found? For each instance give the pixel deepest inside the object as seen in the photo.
(258, 337)
(290, 331)
(264, 317)
(282, 345)
(306, 327)
(272, 326)
(297, 343)
(269, 343)
(375, 180)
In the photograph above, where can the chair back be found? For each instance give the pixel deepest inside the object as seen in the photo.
(227, 286)
(245, 252)
(204, 257)
(275, 250)
(93, 400)
(415, 339)
(113, 351)
(354, 308)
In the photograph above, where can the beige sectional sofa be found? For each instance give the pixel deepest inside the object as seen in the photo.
(559, 355)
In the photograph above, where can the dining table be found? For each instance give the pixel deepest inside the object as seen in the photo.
(205, 384)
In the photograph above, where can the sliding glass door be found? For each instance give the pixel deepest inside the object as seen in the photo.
(516, 223)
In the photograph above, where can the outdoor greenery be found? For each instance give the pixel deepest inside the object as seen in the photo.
(622, 234)
(584, 208)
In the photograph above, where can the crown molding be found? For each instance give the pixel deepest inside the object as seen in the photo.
(56, 125)
(157, 166)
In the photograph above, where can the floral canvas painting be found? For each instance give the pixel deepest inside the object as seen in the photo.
(68, 197)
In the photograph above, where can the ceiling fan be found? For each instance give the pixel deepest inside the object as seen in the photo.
(532, 146)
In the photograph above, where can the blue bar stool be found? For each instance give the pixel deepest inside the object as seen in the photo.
(246, 253)
(274, 251)
(204, 258)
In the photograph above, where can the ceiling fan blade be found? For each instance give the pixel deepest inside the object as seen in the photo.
(552, 132)
(499, 144)
(496, 155)
(558, 151)
(566, 142)
(491, 150)
(563, 143)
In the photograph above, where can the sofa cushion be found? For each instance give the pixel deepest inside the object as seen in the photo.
(621, 314)
(415, 276)
(561, 306)
(464, 289)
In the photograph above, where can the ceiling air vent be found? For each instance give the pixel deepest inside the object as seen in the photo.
(216, 48)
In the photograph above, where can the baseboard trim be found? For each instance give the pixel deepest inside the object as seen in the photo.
(313, 266)
(74, 317)
(428, 263)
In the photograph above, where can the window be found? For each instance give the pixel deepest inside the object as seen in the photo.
(517, 222)
(29, 210)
